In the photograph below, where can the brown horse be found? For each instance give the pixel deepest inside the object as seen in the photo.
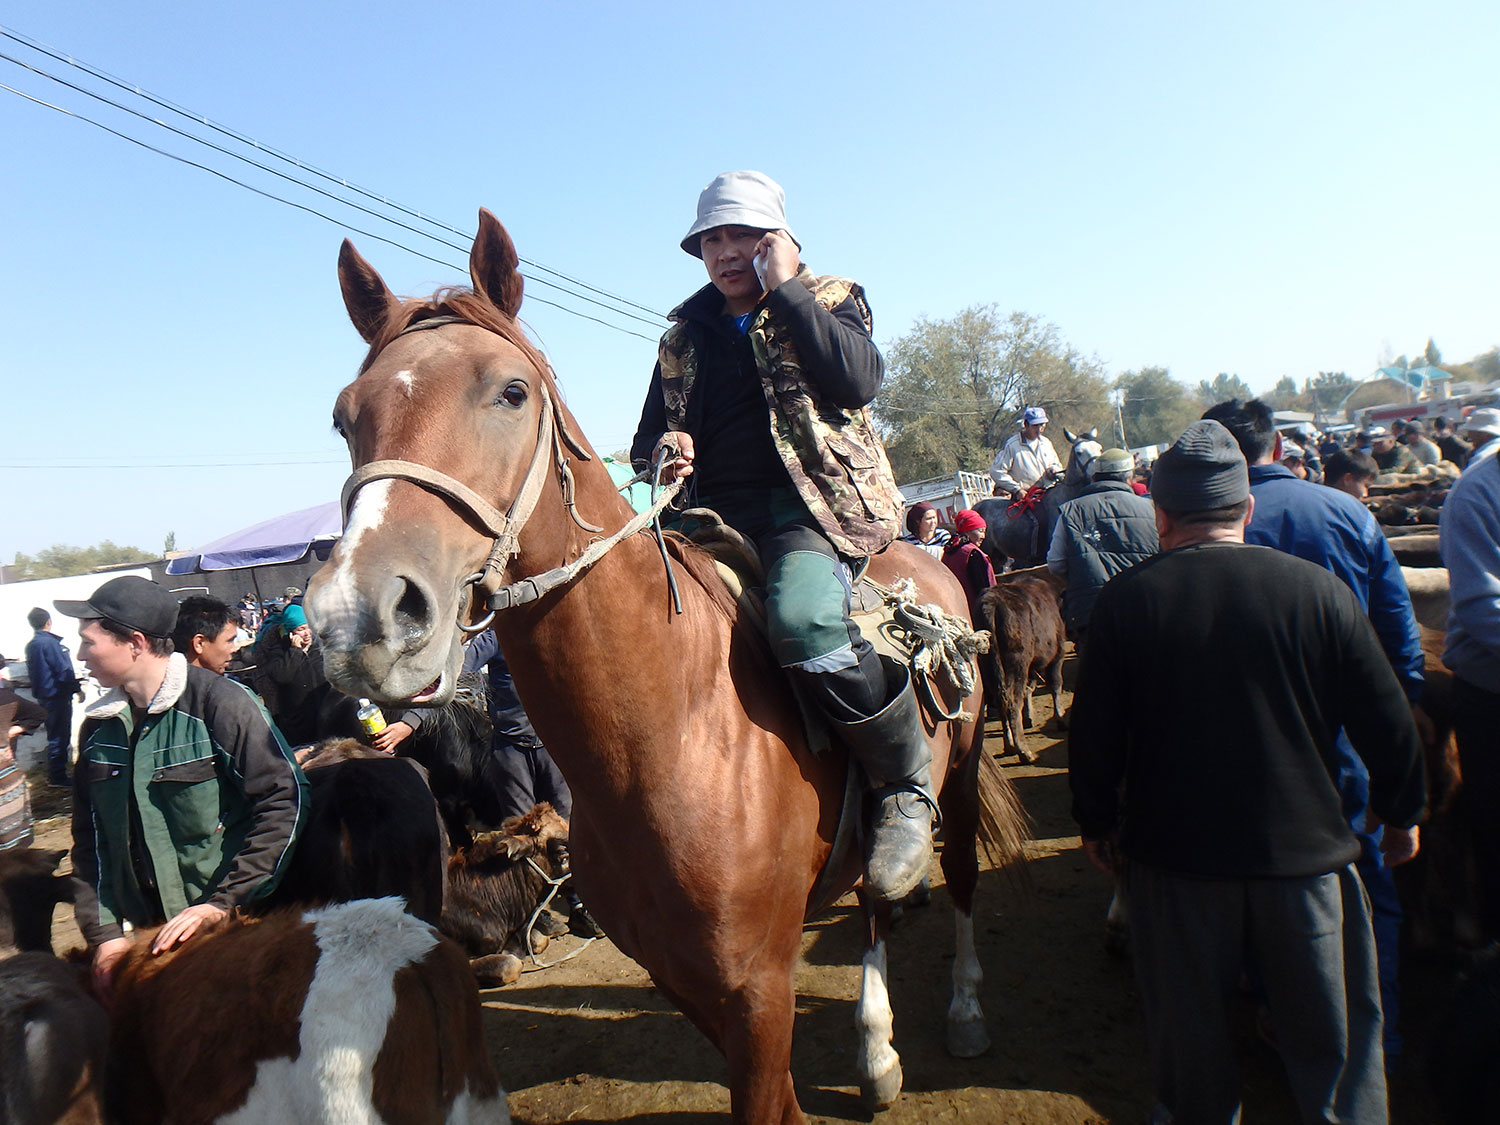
(701, 820)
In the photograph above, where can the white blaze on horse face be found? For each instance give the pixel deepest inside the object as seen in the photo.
(404, 379)
(339, 598)
(873, 1018)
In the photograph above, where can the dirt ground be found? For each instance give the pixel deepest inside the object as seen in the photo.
(591, 1040)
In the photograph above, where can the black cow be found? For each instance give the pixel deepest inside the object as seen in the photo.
(53, 1035)
(372, 830)
(453, 745)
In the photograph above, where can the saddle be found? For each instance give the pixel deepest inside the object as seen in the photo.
(889, 619)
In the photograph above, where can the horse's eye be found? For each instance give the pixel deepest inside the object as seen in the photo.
(513, 395)
(338, 428)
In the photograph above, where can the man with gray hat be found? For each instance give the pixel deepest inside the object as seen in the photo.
(1026, 457)
(186, 800)
(761, 398)
(1215, 683)
(1391, 457)
(1104, 530)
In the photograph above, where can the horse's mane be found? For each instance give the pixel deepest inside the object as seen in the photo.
(464, 303)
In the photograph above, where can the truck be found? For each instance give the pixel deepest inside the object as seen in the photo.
(950, 494)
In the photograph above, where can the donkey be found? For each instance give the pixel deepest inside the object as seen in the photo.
(1025, 536)
(701, 818)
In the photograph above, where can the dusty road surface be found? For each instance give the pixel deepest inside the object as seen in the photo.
(590, 1040)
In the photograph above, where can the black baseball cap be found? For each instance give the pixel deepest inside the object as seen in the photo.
(132, 601)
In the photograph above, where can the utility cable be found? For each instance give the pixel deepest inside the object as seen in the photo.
(299, 206)
(198, 118)
(302, 183)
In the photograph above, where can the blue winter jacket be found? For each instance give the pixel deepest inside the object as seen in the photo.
(1470, 529)
(1334, 530)
(50, 667)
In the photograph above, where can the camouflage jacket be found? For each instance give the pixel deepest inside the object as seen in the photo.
(832, 454)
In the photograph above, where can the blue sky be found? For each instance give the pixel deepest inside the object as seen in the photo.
(1267, 189)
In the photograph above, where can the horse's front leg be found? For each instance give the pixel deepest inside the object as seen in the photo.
(879, 1065)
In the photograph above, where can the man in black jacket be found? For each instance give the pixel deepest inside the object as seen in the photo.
(1217, 678)
(1102, 531)
(761, 398)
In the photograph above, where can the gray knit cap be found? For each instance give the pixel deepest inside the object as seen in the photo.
(741, 199)
(1204, 469)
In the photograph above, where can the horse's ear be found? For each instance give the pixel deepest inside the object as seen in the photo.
(1094, 433)
(493, 265)
(366, 296)
(1070, 435)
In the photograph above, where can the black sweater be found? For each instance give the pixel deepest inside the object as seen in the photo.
(727, 413)
(1214, 685)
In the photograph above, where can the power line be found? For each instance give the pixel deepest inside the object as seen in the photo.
(300, 183)
(53, 53)
(177, 465)
(299, 206)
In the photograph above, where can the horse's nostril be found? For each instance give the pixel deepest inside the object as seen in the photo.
(413, 611)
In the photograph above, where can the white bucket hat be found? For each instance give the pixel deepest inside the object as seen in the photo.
(1483, 421)
(741, 199)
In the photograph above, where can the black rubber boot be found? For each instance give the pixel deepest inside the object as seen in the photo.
(891, 747)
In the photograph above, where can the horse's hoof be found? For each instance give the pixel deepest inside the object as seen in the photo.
(881, 1093)
(967, 1040)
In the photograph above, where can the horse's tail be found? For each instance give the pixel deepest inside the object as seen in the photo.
(1004, 827)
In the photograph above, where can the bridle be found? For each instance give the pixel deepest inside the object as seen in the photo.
(552, 440)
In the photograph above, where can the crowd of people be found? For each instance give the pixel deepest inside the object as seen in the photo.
(187, 792)
(1243, 746)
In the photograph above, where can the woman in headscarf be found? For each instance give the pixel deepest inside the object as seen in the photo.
(970, 565)
(296, 671)
(923, 530)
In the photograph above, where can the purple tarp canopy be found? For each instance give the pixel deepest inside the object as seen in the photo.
(281, 540)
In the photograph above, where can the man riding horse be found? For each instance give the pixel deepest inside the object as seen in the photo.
(761, 392)
(1027, 458)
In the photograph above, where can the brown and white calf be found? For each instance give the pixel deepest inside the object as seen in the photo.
(356, 1012)
(52, 1033)
(493, 890)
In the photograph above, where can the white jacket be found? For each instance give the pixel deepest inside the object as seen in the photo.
(1020, 463)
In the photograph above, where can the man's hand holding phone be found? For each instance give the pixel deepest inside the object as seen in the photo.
(776, 260)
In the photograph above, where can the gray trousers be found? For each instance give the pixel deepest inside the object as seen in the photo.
(1311, 941)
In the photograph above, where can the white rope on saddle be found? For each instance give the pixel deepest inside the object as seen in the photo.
(943, 643)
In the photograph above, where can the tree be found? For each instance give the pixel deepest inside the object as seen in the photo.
(1430, 354)
(1155, 407)
(954, 388)
(1283, 396)
(1223, 388)
(170, 545)
(60, 560)
(1327, 389)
